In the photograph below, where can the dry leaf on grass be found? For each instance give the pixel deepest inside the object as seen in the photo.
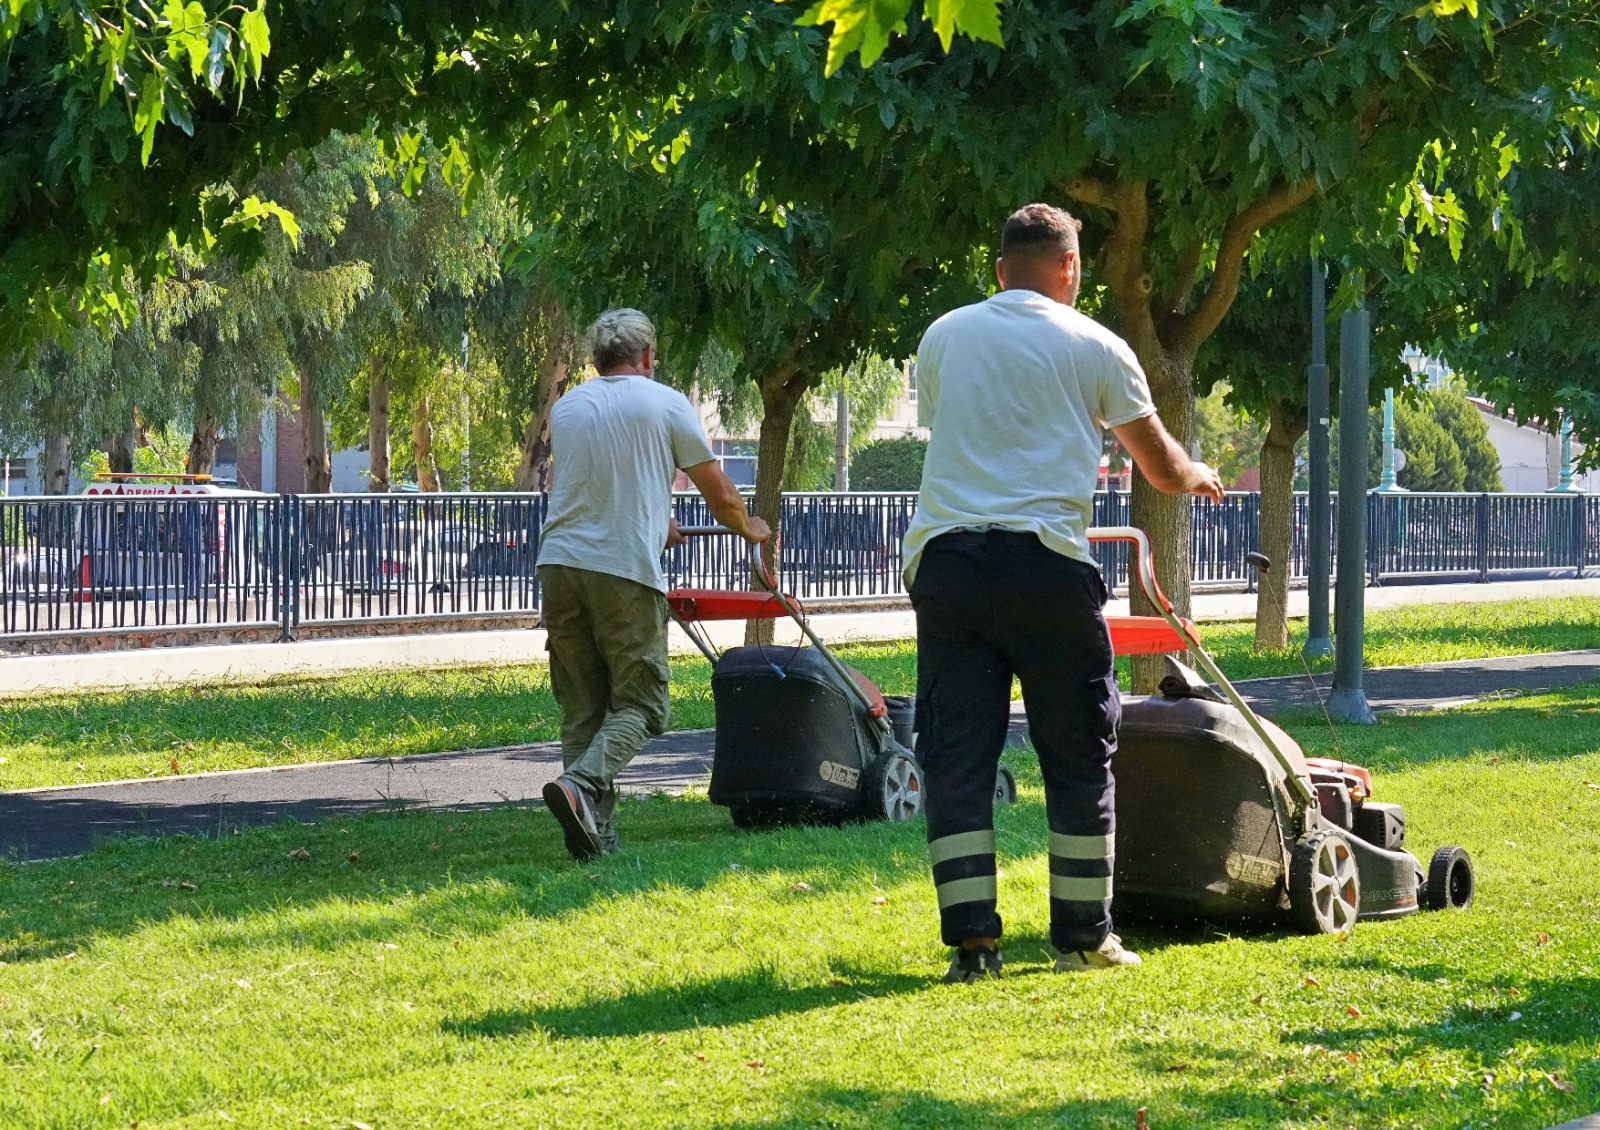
(242, 982)
(1352, 1010)
(300, 853)
(879, 901)
(105, 1098)
(356, 1125)
(801, 886)
(1139, 1122)
(1560, 1084)
(188, 886)
(756, 1065)
(1311, 982)
(1541, 939)
(354, 857)
(1259, 997)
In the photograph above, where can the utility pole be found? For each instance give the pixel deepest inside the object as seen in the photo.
(1348, 702)
(841, 443)
(466, 420)
(1319, 543)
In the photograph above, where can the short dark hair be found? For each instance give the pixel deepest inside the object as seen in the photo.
(1039, 228)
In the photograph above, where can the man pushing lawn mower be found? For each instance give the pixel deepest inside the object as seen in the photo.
(1017, 392)
(616, 442)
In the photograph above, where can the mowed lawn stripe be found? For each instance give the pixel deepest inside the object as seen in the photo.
(437, 969)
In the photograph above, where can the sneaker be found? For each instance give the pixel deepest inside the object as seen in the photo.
(967, 966)
(569, 803)
(1110, 955)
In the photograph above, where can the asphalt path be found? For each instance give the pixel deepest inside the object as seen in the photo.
(48, 823)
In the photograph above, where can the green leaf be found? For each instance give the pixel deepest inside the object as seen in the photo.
(147, 113)
(257, 41)
(217, 57)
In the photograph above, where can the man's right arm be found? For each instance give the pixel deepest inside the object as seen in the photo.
(725, 501)
(1165, 465)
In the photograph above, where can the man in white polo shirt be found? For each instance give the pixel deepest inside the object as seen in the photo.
(616, 442)
(1018, 392)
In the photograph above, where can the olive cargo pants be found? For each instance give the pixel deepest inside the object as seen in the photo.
(607, 638)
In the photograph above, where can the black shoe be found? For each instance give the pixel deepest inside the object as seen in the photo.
(569, 803)
(971, 965)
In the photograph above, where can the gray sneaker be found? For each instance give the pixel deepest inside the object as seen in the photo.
(1110, 955)
(573, 809)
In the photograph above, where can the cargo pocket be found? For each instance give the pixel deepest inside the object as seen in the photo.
(1104, 707)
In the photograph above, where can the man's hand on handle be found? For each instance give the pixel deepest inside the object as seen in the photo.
(726, 503)
(1208, 484)
(1164, 464)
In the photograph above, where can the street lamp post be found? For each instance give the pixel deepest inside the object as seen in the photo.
(1319, 547)
(1564, 483)
(1348, 701)
(1387, 483)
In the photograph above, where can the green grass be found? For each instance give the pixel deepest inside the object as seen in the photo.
(104, 737)
(424, 970)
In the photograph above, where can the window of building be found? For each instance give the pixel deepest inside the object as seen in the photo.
(737, 458)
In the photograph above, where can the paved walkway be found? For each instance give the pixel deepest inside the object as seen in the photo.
(44, 823)
(167, 666)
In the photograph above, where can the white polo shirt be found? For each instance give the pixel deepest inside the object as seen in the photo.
(1018, 392)
(616, 444)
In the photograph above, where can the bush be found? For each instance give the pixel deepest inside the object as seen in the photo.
(889, 464)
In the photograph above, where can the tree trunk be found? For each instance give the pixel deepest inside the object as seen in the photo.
(57, 477)
(314, 431)
(377, 430)
(202, 457)
(422, 446)
(1167, 518)
(1277, 524)
(119, 452)
(781, 394)
(555, 367)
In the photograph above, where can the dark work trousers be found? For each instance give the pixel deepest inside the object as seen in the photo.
(991, 606)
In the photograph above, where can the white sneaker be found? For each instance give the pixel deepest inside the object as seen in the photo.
(1110, 955)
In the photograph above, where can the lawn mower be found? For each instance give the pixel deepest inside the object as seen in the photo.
(1221, 817)
(801, 737)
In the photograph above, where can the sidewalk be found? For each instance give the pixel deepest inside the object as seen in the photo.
(155, 667)
(44, 823)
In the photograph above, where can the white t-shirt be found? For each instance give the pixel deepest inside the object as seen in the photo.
(1018, 392)
(616, 444)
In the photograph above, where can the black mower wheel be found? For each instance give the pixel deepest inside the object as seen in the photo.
(1450, 880)
(891, 788)
(1005, 786)
(1324, 883)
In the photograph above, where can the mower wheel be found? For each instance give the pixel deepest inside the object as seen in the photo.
(1450, 880)
(891, 788)
(1324, 883)
(1005, 786)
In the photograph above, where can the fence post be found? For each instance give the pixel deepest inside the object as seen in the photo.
(1580, 535)
(1483, 539)
(287, 581)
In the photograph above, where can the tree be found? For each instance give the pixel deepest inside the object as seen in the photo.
(1465, 426)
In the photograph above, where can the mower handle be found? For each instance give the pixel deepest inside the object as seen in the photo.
(758, 566)
(1144, 570)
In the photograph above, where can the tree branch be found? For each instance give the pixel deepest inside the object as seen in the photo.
(1092, 191)
(1188, 273)
(1196, 326)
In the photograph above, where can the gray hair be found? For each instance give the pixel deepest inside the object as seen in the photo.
(618, 337)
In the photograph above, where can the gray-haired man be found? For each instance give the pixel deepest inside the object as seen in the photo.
(616, 441)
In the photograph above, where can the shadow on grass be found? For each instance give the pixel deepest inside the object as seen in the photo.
(674, 1008)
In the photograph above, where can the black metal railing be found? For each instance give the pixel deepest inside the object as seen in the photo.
(98, 565)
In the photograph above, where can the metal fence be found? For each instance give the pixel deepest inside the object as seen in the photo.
(99, 565)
